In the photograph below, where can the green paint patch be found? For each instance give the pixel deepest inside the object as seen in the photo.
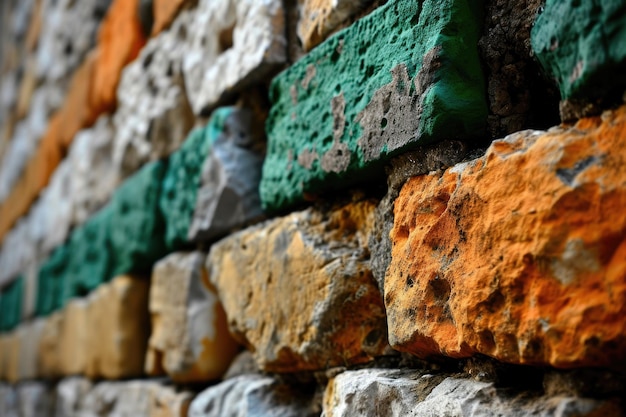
(11, 305)
(406, 75)
(581, 44)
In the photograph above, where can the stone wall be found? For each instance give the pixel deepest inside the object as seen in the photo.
(312, 208)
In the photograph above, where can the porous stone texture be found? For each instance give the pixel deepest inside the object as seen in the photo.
(73, 341)
(35, 399)
(528, 270)
(68, 32)
(319, 258)
(228, 193)
(579, 44)
(120, 39)
(12, 356)
(319, 18)
(49, 363)
(119, 326)
(251, 396)
(520, 97)
(135, 398)
(153, 115)
(70, 396)
(232, 44)
(57, 199)
(392, 81)
(93, 176)
(385, 392)
(190, 341)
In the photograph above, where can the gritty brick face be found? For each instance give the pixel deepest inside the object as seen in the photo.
(517, 255)
(389, 82)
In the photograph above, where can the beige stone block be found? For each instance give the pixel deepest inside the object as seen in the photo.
(299, 292)
(3, 357)
(72, 345)
(28, 359)
(12, 350)
(119, 326)
(49, 363)
(190, 339)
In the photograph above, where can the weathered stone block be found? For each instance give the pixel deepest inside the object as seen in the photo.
(527, 270)
(153, 115)
(377, 392)
(118, 330)
(51, 281)
(180, 186)
(228, 196)
(57, 200)
(70, 396)
(35, 399)
(232, 45)
(49, 357)
(319, 18)
(408, 74)
(93, 175)
(120, 38)
(252, 395)
(137, 225)
(11, 304)
(580, 44)
(72, 344)
(29, 335)
(12, 347)
(320, 259)
(190, 339)
(8, 400)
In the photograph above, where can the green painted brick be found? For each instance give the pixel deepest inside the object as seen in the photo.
(11, 304)
(92, 261)
(51, 280)
(182, 179)
(137, 225)
(582, 45)
(406, 75)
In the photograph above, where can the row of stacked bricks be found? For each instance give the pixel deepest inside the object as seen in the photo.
(312, 207)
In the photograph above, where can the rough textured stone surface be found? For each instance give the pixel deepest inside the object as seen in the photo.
(70, 396)
(138, 226)
(384, 392)
(527, 270)
(253, 396)
(12, 356)
(11, 304)
(8, 400)
(57, 200)
(29, 335)
(68, 32)
(93, 179)
(319, 18)
(50, 289)
(119, 326)
(520, 97)
(180, 186)
(35, 399)
(153, 115)
(232, 44)
(49, 363)
(320, 259)
(135, 398)
(73, 343)
(407, 74)
(228, 196)
(579, 43)
(120, 39)
(190, 339)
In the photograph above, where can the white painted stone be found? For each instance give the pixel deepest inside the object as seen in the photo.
(232, 44)
(8, 401)
(94, 178)
(70, 396)
(19, 150)
(35, 399)
(252, 395)
(153, 116)
(394, 392)
(190, 339)
(57, 199)
(228, 196)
